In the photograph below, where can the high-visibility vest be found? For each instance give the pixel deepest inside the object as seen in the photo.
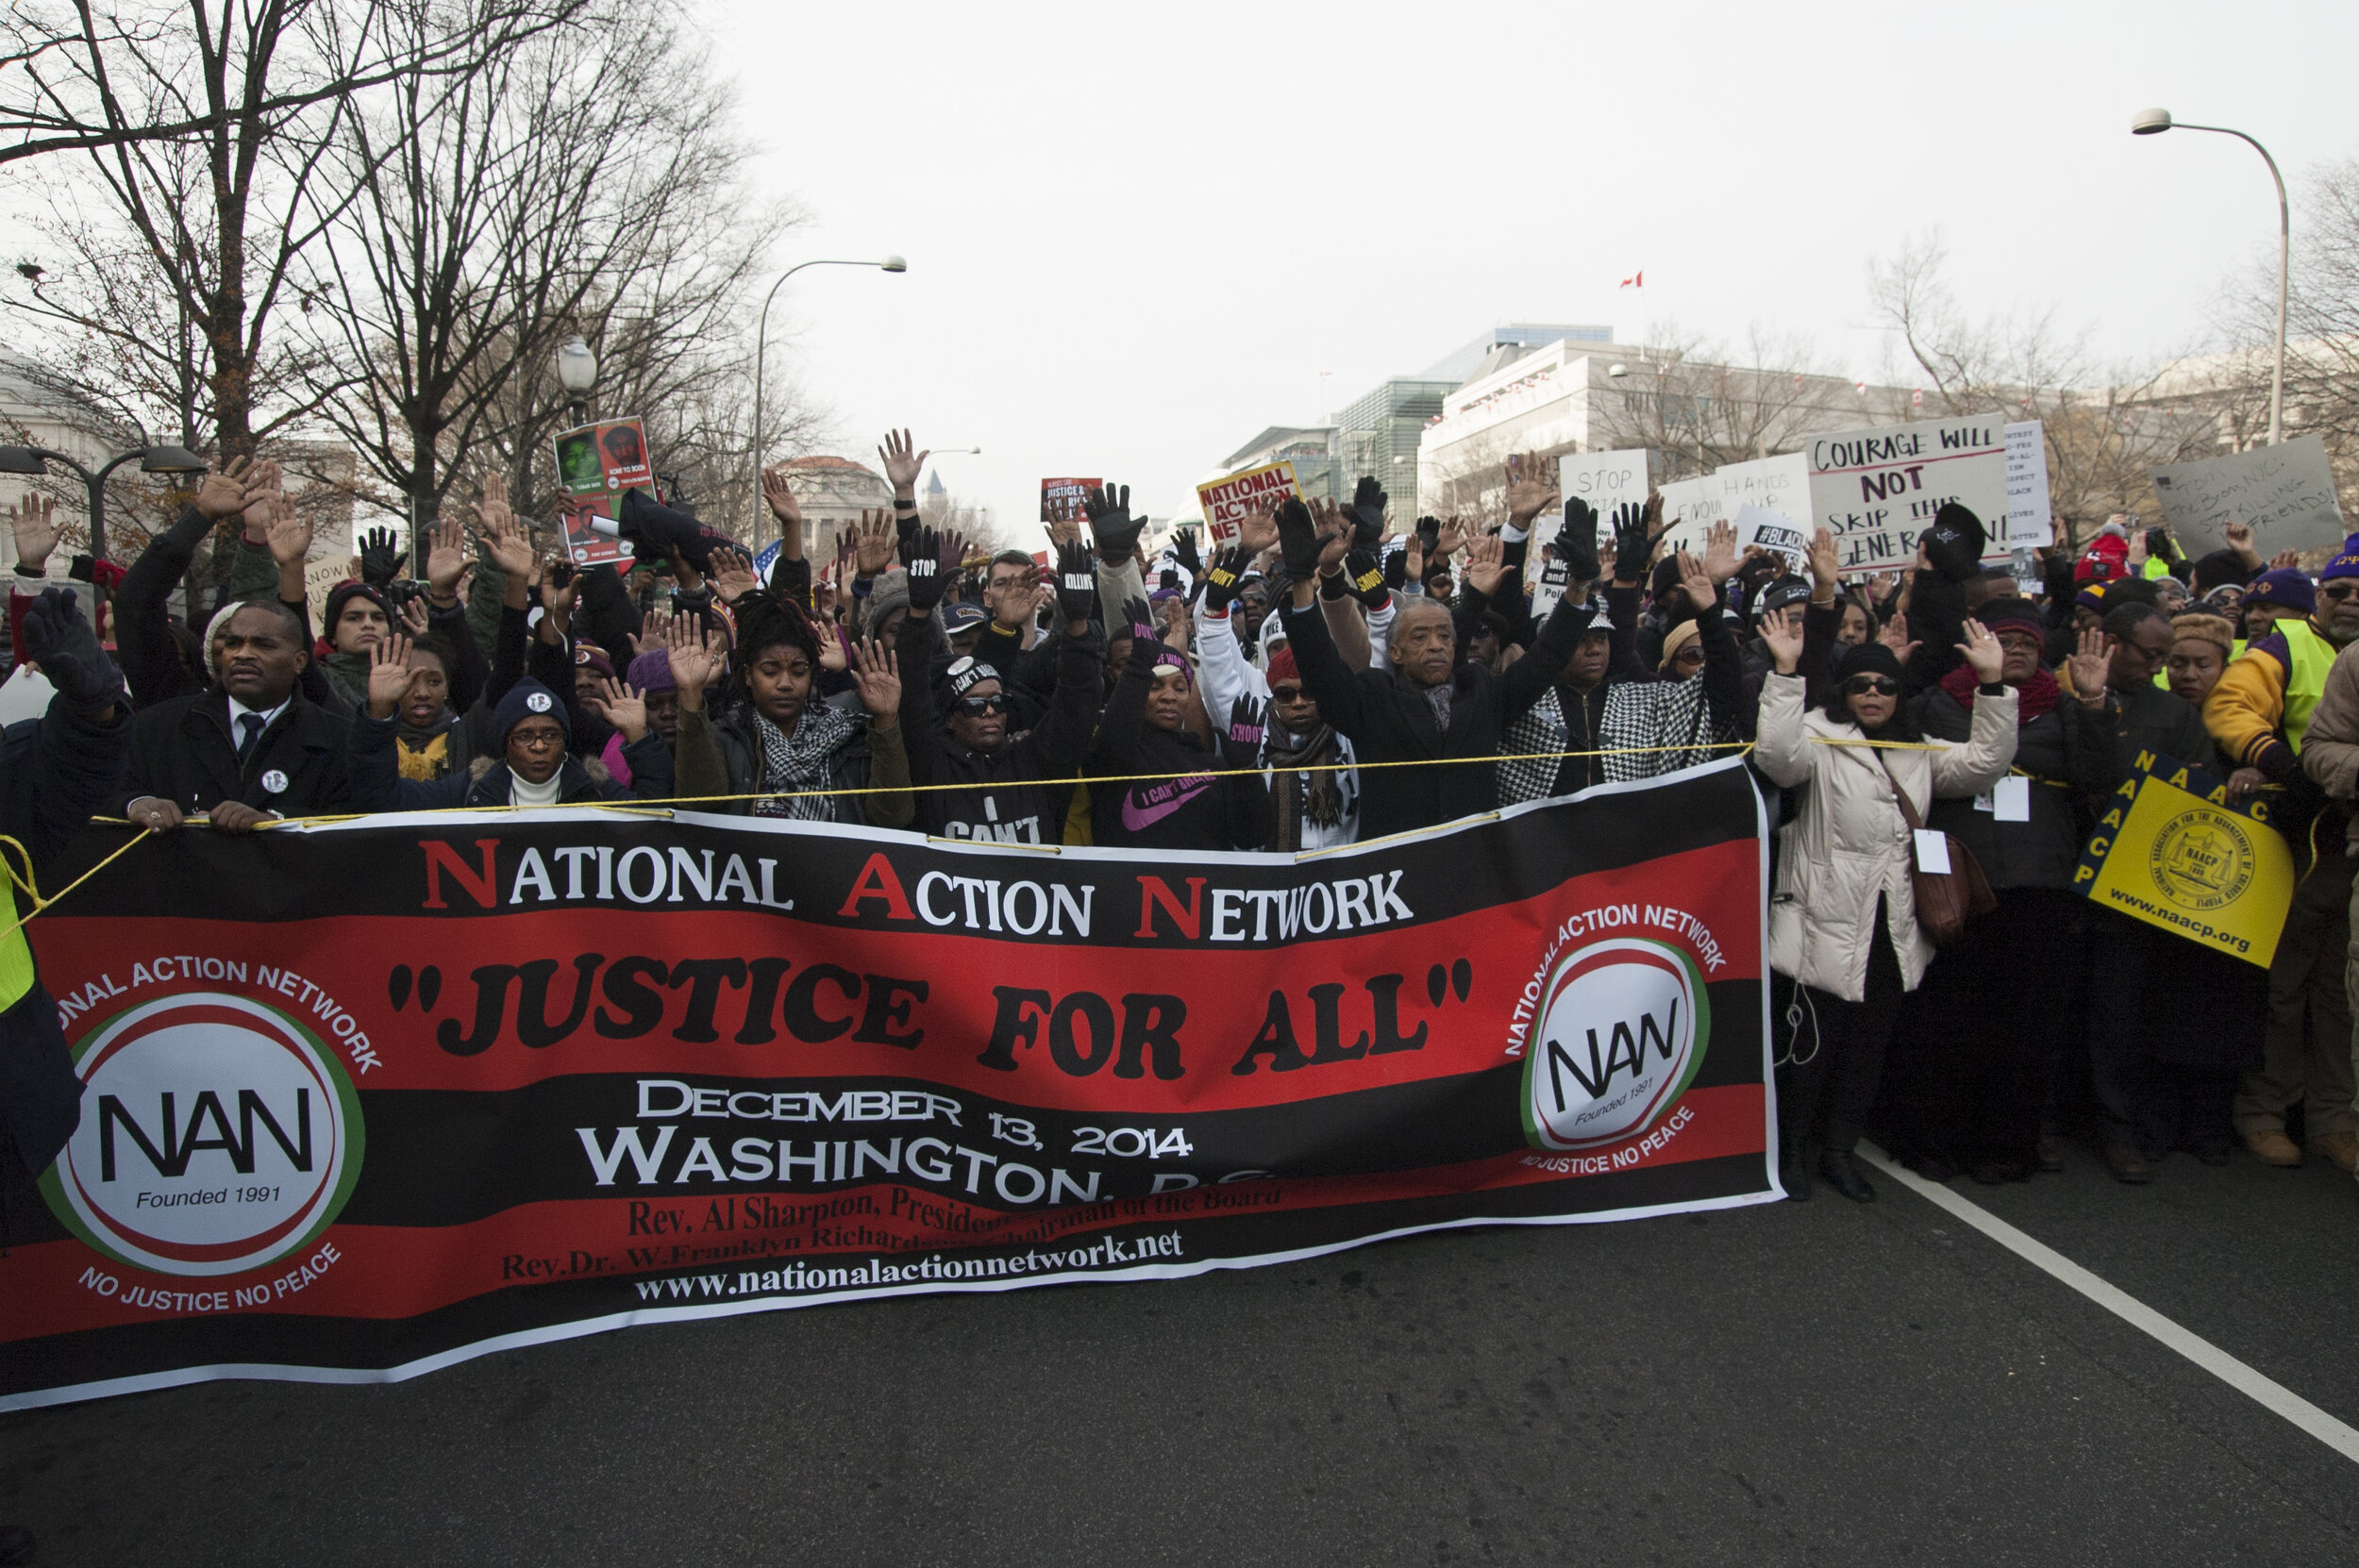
(2309, 657)
(16, 955)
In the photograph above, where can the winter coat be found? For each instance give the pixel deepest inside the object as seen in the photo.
(2067, 754)
(1848, 843)
(377, 787)
(181, 751)
(724, 759)
(1017, 806)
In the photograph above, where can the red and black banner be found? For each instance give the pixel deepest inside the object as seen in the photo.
(365, 1099)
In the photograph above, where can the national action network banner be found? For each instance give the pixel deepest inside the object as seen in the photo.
(363, 1100)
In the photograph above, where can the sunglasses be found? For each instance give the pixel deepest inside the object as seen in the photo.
(2340, 592)
(975, 708)
(1286, 693)
(1884, 685)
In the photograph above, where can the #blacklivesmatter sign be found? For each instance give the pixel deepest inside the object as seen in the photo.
(360, 1100)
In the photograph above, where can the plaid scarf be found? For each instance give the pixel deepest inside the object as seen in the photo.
(1655, 727)
(794, 764)
(1541, 729)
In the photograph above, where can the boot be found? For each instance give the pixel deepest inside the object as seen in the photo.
(1841, 1172)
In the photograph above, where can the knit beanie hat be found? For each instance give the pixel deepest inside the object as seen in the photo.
(342, 594)
(652, 671)
(1954, 543)
(2346, 561)
(890, 593)
(528, 699)
(1868, 658)
(1997, 615)
(589, 655)
(2286, 586)
(1282, 666)
(2220, 568)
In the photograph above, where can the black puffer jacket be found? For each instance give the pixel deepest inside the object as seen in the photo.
(2067, 752)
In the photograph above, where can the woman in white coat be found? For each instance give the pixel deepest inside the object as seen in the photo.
(1843, 944)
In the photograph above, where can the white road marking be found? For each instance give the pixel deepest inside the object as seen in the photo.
(2265, 1390)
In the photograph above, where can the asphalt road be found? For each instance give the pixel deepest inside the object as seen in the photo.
(1812, 1383)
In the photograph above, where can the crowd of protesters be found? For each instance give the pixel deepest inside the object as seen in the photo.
(1236, 699)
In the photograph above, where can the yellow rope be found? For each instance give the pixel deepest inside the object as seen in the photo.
(26, 885)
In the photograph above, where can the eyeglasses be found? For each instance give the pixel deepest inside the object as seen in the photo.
(537, 740)
(1884, 685)
(1286, 693)
(975, 708)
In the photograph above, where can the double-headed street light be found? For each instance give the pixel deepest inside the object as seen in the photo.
(2153, 122)
(761, 342)
(152, 456)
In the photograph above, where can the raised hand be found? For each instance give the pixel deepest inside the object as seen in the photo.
(2240, 540)
(1297, 540)
(1449, 539)
(618, 705)
(1367, 512)
(380, 557)
(694, 652)
(1702, 589)
(1225, 580)
(931, 565)
(1719, 563)
(1076, 584)
(58, 640)
(1248, 724)
(1365, 574)
(1982, 652)
(1258, 530)
(877, 677)
(1138, 626)
(262, 493)
(1895, 636)
(222, 492)
(1116, 530)
(2286, 560)
(903, 463)
(1334, 532)
(1484, 565)
(873, 542)
(445, 560)
(288, 530)
(1412, 551)
(2089, 666)
(781, 495)
(414, 618)
(1782, 635)
(732, 574)
(388, 674)
(34, 522)
(1183, 550)
(1532, 487)
(1825, 563)
(1576, 543)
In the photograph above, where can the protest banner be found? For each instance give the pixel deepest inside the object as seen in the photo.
(1061, 499)
(2031, 515)
(2174, 851)
(1777, 534)
(1779, 485)
(1227, 499)
(1878, 490)
(1605, 481)
(596, 464)
(2285, 494)
(364, 1099)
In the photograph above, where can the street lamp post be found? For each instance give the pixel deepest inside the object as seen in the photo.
(761, 344)
(2153, 122)
(152, 458)
(577, 373)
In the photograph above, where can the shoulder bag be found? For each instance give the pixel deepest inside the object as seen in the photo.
(1946, 900)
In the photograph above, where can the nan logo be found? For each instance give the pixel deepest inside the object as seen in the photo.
(217, 1135)
(1622, 1027)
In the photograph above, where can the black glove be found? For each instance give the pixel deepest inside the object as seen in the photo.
(1429, 535)
(61, 643)
(1577, 541)
(2158, 545)
(1138, 624)
(380, 557)
(1366, 578)
(1116, 530)
(1396, 567)
(1077, 582)
(1297, 540)
(1367, 512)
(1224, 581)
(1184, 548)
(1633, 546)
(1248, 722)
(929, 577)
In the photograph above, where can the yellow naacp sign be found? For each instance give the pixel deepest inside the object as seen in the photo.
(2173, 851)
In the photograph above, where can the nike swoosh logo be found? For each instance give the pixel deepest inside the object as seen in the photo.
(1135, 817)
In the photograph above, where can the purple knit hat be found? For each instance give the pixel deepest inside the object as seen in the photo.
(652, 671)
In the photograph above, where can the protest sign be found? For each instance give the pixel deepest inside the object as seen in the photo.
(2174, 851)
(1690, 508)
(2286, 493)
(596, 464)
(2031, 520)
(1779, 485)
(1227, 499)
(1605, 481)
(1061, 499)
(362, 1100)
(1774, 533)
(1879, 489)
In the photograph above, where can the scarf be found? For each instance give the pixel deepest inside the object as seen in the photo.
(424, 754)
(2034, 697)
(1302, 796)
(1542, 729)
(1437, 697)
(791, 764)
(1654, 727)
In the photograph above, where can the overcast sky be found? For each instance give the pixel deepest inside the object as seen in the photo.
(1137, 235)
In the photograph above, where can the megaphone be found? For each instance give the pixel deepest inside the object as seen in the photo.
(655, 530)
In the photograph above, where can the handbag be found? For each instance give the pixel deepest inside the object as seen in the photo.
(1946, 900)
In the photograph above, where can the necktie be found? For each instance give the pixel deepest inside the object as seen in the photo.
(253, 724)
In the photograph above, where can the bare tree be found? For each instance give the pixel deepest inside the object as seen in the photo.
(1700, 405)
(2104, 426)
(82, 76)
(499, 212)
